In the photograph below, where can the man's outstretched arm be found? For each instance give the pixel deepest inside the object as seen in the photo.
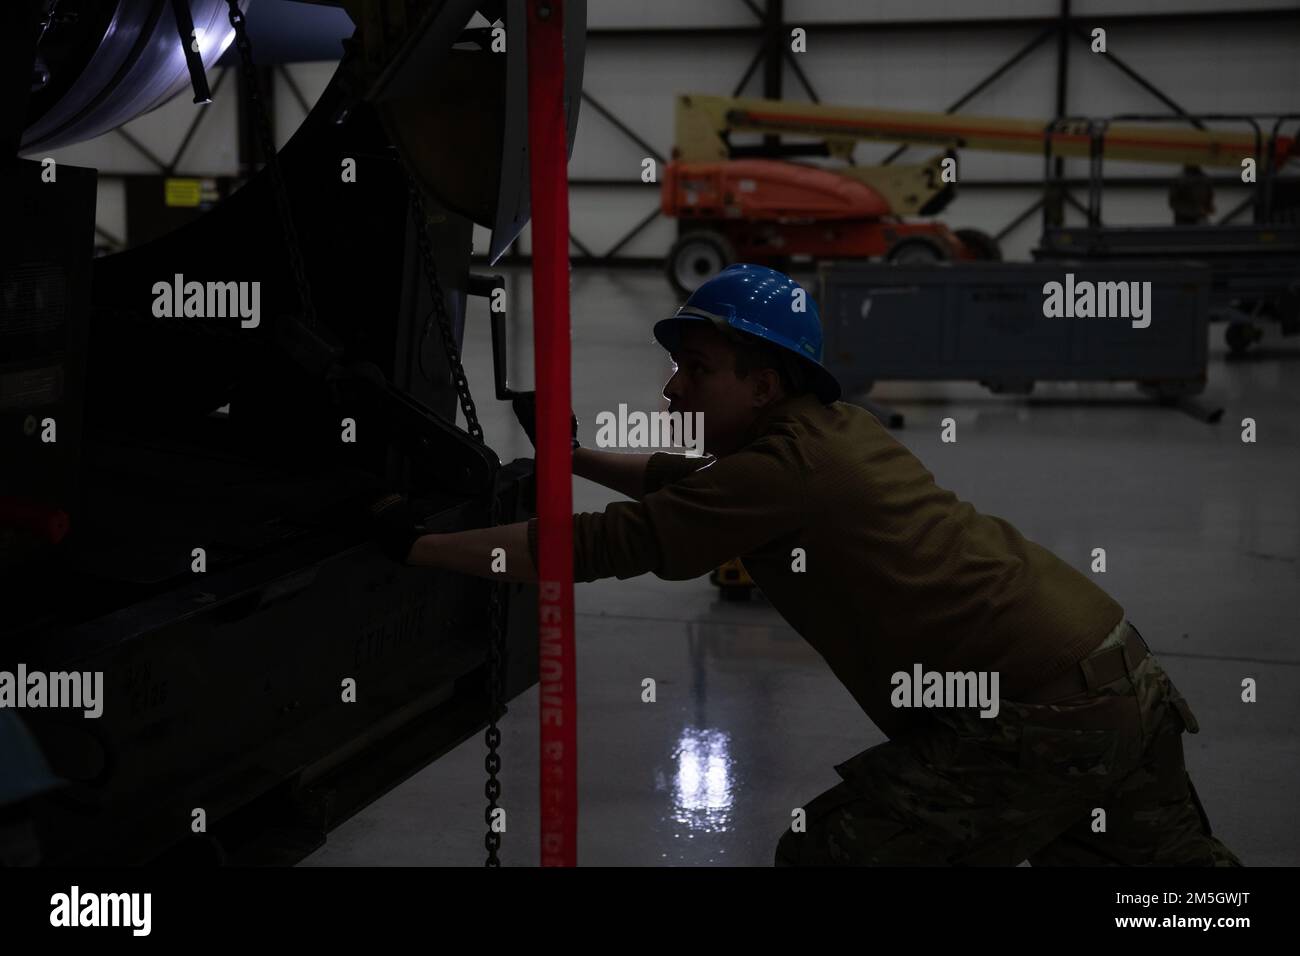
(470, 552)
(633, 474)
(618, 543)
(623, 472)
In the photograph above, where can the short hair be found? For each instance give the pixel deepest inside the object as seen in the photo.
(754, 354)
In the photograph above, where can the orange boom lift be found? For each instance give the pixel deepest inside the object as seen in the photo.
(749, 203)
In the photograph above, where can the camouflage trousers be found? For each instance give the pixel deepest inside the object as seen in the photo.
(1096, 779)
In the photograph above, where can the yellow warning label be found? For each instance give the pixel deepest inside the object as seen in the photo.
(182, 192)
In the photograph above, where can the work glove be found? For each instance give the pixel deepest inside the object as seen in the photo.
(525, 406)
(394, 527)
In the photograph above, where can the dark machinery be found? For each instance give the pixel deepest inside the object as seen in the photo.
(986, 322)
(1254, 269)
(181, 498)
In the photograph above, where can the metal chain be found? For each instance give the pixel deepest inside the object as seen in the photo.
(440, 310)
(267, 144)
(496, 623)
(496, 698)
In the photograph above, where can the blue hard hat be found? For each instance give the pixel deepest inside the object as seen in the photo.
(759, 301)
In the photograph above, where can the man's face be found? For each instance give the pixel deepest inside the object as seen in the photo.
(704, 380)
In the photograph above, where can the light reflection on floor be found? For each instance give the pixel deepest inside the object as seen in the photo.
(702, 787)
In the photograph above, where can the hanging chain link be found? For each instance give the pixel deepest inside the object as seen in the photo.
(496, 621)
(496, 697)
(266, 143)
(440, 310)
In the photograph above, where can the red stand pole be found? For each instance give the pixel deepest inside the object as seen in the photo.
(548, 162)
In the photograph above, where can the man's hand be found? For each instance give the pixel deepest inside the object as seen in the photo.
(393, 526)
(525, 406)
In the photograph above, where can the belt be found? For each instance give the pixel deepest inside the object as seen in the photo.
(1098, 668)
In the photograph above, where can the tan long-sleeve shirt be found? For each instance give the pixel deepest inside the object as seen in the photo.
(898, 570)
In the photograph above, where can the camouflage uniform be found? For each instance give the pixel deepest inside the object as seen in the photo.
(967, 790)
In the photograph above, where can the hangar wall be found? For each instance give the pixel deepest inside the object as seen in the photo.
(1204, 56)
